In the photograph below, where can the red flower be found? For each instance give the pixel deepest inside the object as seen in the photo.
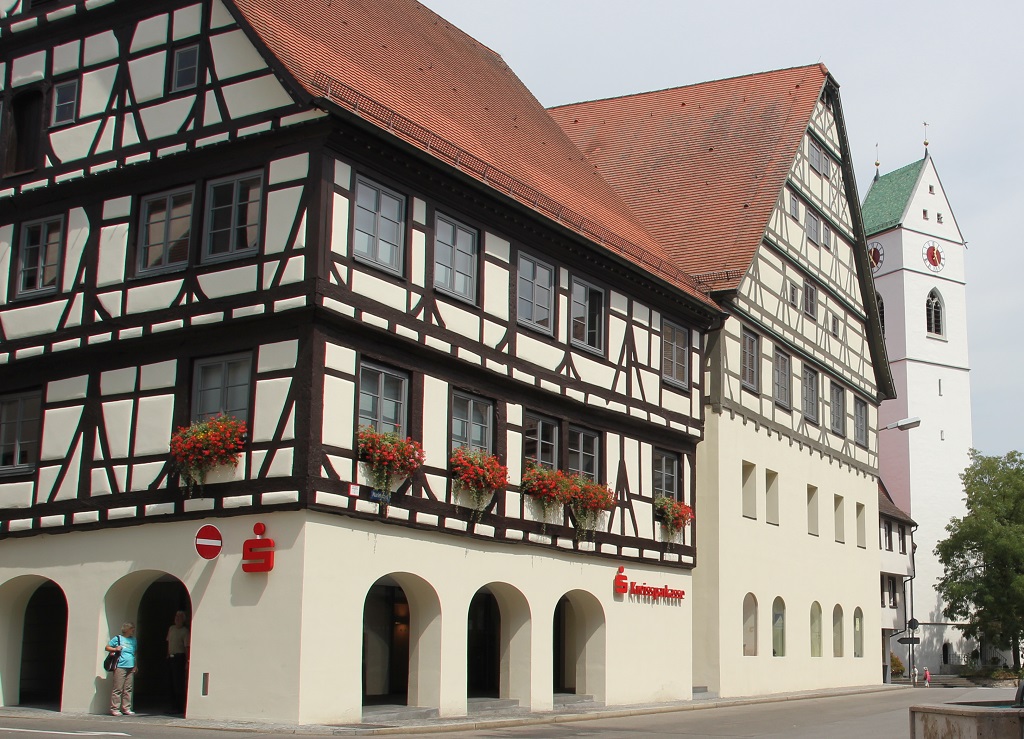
(198, 448)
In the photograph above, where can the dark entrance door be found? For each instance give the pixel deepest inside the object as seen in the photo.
(44, 639)
(159, 603)
(386, 645)
(564, 678)
(483, 668)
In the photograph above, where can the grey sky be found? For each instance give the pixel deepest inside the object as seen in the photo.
(955, 65)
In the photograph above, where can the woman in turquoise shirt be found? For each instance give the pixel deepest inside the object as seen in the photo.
(124, 672)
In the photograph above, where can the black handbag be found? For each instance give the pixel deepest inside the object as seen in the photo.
(110, 662)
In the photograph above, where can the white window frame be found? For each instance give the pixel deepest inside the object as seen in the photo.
(43, 260)
(14, 436)
(749, 360)
(586, 314)
(177, 68)
(168, 198)
(374, 240)
(59, 115)
(459, 256)
(534, 302)
(225, 362)
(471, 403)
(673, 370)
(234, 250)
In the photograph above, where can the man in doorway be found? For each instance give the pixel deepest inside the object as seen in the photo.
(178, 642)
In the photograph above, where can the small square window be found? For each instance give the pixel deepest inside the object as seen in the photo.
(811, 301)
(65, 103)
(20, 422)
(186, 68)
(931, 189)
(221, 387)
(924, 214)
(455, 258)
(233, 216)
(535, 296)
(794, 295)
(938, 218)
(675, 359)
(587, 315)
(39, 256)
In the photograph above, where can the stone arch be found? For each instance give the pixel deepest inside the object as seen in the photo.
(512, 644)
(749, 625)
(580, 645)
(402, 641)
(33, 641)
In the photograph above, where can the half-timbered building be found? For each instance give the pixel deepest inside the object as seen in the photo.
(315, 218)
(748, 183)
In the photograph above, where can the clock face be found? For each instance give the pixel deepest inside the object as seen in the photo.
(933, 255)
(875, 254)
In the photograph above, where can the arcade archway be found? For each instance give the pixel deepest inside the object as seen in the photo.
(579, 645)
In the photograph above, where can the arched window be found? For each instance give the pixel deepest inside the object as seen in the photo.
(749, 625)
(837, 631)
(858, 632)
(933, 311)
(779, 628)
(881, 312)
(815, 629)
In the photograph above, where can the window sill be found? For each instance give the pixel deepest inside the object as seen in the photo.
(596, 351)
(674, 383)
(936, 337)
(234, 256)
(387, 269)
(446, 293)
(24, 470)
(536, 327)
(160, 271)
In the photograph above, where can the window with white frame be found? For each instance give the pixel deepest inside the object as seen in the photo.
(540, 440)
(860, 421)
(933, 310)
(584, 452)
(455, 258)
(811, 300)
(165, 230)
(748, 360)
(813, 226)
(65, 103)
(782, 378)
(221, 387)
(472, 422)
(675, 353)
(20, 423)
(837, 408)
(383, 399)
(810, 394)
(39, 255)
(233, 216)
(185, 73)
(587, 326)
(380, 225)
(666, 475)
(535, 293)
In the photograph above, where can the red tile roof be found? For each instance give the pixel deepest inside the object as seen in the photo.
(408, 70)
(703, 165)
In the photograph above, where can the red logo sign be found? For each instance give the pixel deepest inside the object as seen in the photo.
(209, 542)
(258, 553)
(621, 585)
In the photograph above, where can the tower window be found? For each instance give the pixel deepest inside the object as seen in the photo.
(938, 218)
(924, 214)
(933, 313)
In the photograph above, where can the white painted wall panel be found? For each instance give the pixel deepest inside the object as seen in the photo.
(153, 425)
(74, 142)
(77, 236)
(111, 302)
(282, 208)
(28, 68)
(65, 57)
(6, 235)
(539, 352)
(143, 475)
(496, 291)
(68, 489)
(339, 407)
(101, 48)
(459, 320)
(186, 22)
(281, 355)
(159, 375)
(339, 224)
(147, 76)
(113, 249)
(255, 96)
(166, 119)
(377, 289)
(149, 33)
(116, 382)
(59, 428)
(32, 320)
(106, 140)
(270, 402)
(435, 420)
(211, 110)
(234, 55)
(16, 495)
(294, 270)
(117, 423)
(229, 282)
(158, 296)
(340, 358)
(418, 270)
(595, 373)
(282, 464)
(288, 169)
(71, 388)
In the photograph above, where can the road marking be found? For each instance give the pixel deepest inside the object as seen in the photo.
(67, 733)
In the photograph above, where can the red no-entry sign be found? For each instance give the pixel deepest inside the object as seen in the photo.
(209, 542)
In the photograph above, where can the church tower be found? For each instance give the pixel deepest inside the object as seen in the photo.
(918, 256)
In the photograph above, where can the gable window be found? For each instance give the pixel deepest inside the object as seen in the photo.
(748, 360)
(587, 314)
(65, 103)
(584, 448)
(835, 325)
(233, 216)
(666, 475)
(382, 399)
(221, 387)
(40, 254)
(826, 236)
(794, 295)
(25, 133)
(20, 417)
(472, 424)
(455, 260)
(781, 378)
(186, 69)
(860, 421)
(837, 409)
(540, 440)
(166, 230)
(675, 353)
(535, 293)
(933, 311)
(811, 300)
(820, 161)
(794, 206)
(810, 394)
(813, 225)
(380, 225)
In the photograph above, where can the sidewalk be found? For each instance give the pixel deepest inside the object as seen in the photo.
(495, 720)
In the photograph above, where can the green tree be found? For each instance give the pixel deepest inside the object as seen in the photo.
(983, 554)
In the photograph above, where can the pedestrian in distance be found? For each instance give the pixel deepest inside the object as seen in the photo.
(124, 672)
(913, 676)
(178, 642)
(927, 678)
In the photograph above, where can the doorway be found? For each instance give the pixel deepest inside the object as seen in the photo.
(43, 645)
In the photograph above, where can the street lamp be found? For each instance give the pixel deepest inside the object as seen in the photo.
(904, 424)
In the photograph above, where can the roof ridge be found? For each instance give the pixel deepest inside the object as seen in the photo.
(818, 65)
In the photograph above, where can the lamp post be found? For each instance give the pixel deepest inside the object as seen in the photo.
(904, 424)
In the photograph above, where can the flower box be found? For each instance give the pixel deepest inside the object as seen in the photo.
(388, 460)
(477, 475)
(673, 514)
(206, 446)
